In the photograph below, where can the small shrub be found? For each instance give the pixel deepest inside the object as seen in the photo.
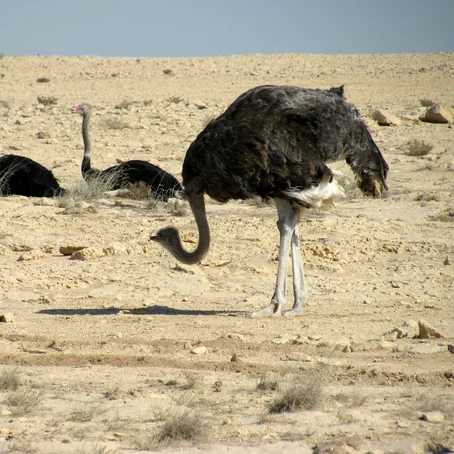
(47, 100)
(112, 393)
(23, 402)
(174, 99)
(10, 379)
(168, 72)
(92, 189)
(4, 104)
(298, 395)
(181, 424)
(436, 448)
(138, 191)
(147, 102)
(177, 207)
(418, 148)
(426, 102)
(21, 447)
(114, 122)
(124, 105)
(267, 382)
(83, 413)
(43, 80)
(190, 381)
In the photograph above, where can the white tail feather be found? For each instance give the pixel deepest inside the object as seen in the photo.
(325, 193)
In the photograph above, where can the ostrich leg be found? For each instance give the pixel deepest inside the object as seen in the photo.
(299, 281)
(288, 220)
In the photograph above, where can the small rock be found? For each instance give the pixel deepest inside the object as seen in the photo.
(295, 356)
(199, 350)
(284, 338)
(69, 250)
(427, 331)
(412, 328)
(200, 105)
(88, 253)
(424, 349)
(235, 358)
(437, 114)
(450, 348)
(187, 345)
(384, 118)
(5, 411)
(8, 317)
(235, 336)
(34, 254)
(433, 416)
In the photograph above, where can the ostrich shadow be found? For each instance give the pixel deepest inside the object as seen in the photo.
(151, 310)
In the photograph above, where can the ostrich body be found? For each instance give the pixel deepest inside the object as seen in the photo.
(163, 185)
(20, 175)
(274, 142)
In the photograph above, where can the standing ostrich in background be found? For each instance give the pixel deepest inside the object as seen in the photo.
(20, 175)
(274, 142)
(163, 185)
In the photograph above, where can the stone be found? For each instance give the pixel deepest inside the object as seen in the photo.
(424, 349)
(199, 350)
(433, 417)
(88, 253)
(385, 118)
(34, 254)
(412, 328)
(427, 331)
(8, 317)
(437, 114)
(69, 250)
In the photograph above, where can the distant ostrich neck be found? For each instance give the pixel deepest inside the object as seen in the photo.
(86, 162)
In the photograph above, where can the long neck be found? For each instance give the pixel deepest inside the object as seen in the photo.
(86, 161)
(197, 204)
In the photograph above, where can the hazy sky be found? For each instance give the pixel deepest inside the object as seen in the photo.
(172, 28)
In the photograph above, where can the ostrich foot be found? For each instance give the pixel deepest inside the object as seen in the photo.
(272, 310)
(293, 312)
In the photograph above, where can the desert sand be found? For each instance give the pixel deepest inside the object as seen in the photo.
(110, 342)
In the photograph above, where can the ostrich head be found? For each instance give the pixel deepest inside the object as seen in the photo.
(82, 109)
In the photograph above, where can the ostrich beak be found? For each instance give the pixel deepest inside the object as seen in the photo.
(154, 236)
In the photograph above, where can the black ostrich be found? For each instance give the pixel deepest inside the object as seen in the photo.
(20, 175)
(274, 142)
(163, 185)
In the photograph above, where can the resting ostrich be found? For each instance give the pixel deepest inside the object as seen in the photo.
(163, 185)
(274, 142)
(23, 176)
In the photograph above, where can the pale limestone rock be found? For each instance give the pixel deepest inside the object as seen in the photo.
(433, 416)
(199, 350)
(88, 253)
(385, 118)
(35, 254)
(427, 331)
(8, 317)
(438, 114)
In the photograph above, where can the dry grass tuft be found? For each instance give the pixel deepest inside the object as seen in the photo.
(267, 382)
(84, 413)
(174, 99)
(23, 401)
(4, 104)
(351, 400)
(10, 379)
(418, 148)
(147, 102)
(300, 394)
(47, 100)
(168, 72)
(436, 448)
(443, 216)
(20, 447)
(114, 122)
(138, 191)
(125, 104)
(43, 80)
(425, 102)
(92, 189)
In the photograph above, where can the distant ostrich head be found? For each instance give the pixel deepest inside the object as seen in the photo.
(82, 109)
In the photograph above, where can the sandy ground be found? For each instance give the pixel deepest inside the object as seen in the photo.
(105, 345)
